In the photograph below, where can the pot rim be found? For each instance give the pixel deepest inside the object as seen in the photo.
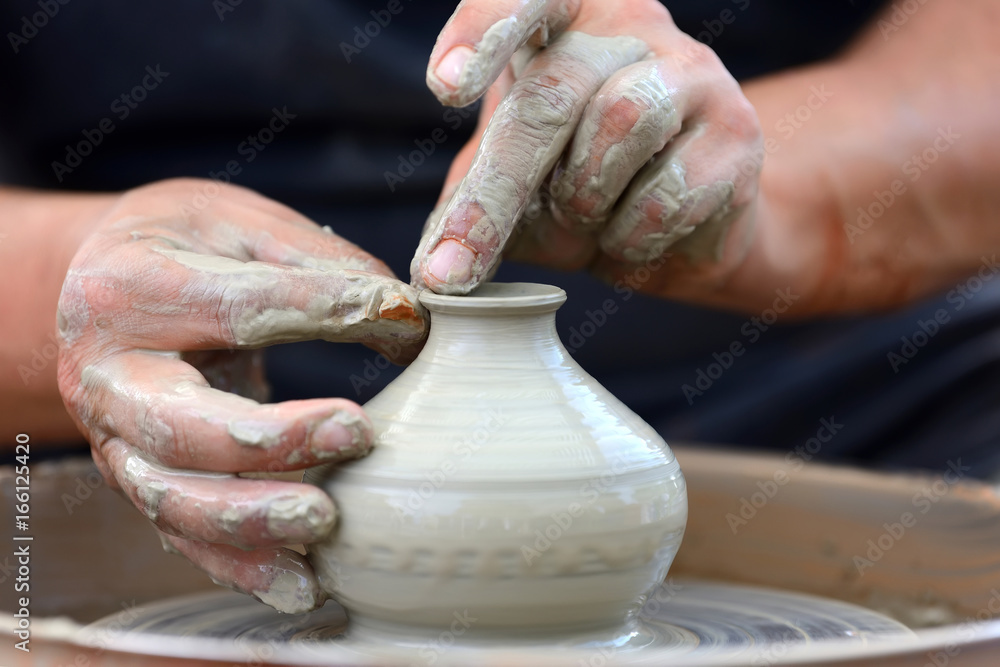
(497, 299)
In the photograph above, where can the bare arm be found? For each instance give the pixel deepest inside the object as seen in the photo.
(39, 234)
(887, 191)
(683, 185)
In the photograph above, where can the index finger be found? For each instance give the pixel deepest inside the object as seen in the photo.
(527, 134)
(480, 38)
(156, 296)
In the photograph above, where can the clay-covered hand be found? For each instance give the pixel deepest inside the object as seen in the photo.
(613, 138)
(159, 319)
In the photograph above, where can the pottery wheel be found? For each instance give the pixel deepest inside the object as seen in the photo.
(696, 622)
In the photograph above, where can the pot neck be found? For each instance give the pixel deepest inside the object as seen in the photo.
(502, 324)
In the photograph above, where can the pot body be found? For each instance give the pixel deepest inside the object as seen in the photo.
(507, 492)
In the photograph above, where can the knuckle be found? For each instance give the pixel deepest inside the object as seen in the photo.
(619, 111)
(544, 100)
(693, 53)
(76, 398)
(157, 428)
(72, 312)
(85, 400)
(741, 121)
(643, 12)
(234, 308)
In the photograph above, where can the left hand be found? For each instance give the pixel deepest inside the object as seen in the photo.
(620, 139)
(163, 311)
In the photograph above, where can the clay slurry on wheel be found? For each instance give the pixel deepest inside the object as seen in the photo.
(703, 623)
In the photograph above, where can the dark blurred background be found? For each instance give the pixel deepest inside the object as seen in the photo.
(225, 68)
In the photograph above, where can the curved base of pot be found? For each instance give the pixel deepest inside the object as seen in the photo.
(464, 631)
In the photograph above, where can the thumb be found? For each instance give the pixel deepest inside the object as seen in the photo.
(480, 38)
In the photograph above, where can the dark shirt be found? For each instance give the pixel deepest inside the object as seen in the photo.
(198, 78)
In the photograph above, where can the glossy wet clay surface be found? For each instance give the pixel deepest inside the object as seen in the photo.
(698, 622)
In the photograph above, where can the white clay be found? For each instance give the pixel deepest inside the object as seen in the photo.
(360, 308)
(493, 51)
(283, 512)
(658, 120)
(287, 593)
(524, 140)
(665, 181)
(504, 480)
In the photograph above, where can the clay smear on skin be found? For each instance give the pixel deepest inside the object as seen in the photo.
(529, 125)
(73, 313)
(157, 433)
(681, 214)
(642, 85)
(494, 50)
(155, 484)
(369, 306)
(289, 593)
(153, 487)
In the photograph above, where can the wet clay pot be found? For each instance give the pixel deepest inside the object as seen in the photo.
(508, 493)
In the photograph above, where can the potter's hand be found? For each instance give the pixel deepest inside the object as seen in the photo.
(159, 316)
(641, 143)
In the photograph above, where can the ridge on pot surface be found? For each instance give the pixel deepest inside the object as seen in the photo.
(506, 485)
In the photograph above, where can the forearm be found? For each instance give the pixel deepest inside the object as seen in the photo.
(879, 183)
(39, 234)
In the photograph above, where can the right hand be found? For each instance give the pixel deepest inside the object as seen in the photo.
(623, 147)
(160, 317)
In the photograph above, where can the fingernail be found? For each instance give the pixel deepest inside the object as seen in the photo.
(449, 70)
(451, 262)
(299, 518)
(291, 591)
(342, 435)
